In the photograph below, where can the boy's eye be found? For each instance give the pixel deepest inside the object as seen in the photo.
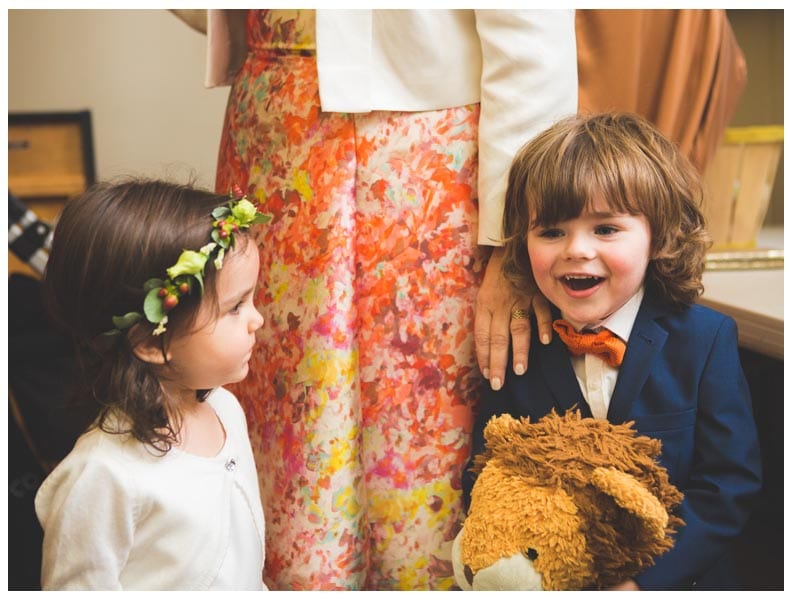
(605, 230)
(550, 233)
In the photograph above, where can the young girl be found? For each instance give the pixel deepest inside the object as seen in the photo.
(601, 213)
(161, 491)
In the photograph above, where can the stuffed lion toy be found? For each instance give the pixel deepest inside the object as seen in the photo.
(564, 503)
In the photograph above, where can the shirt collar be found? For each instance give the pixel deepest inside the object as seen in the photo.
(622, 320)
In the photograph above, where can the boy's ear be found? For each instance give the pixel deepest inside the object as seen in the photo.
(663, 252)
(150, 350)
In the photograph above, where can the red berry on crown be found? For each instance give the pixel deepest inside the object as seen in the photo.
(170, 302)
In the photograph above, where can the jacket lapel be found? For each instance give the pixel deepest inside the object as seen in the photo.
(560, 378)
(645, 342)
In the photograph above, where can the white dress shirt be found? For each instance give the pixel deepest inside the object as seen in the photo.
(596, 378)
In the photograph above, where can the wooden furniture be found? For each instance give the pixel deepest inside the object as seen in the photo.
(754, 298)
(50, 159)
(740, 180)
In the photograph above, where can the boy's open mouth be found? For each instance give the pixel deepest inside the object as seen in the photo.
(581, 282)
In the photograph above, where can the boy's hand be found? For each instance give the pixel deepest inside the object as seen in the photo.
(629, 585)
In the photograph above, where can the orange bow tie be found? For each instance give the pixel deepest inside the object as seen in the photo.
(604, 344)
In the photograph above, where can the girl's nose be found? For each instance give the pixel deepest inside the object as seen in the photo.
(257, 320)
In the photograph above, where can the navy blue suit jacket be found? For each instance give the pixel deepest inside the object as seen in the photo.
(681, 382)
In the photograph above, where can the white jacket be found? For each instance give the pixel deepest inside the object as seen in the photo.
(116, 516)
(520, 65)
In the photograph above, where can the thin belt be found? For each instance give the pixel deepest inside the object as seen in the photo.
(280, 51)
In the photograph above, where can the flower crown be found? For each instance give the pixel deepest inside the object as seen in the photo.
(163, 295)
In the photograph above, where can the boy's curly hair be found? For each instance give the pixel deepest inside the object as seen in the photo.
(625, 160)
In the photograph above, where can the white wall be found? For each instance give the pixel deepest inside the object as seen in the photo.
(139, 72)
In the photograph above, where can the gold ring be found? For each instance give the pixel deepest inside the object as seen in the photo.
(519, 313)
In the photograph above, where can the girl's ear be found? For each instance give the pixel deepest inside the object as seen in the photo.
(150, 350)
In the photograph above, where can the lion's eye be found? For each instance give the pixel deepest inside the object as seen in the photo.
(531, 553)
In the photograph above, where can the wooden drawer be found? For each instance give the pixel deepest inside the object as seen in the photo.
(50, 159)
(50, 154)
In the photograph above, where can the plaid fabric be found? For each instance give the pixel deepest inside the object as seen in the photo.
(29, 238)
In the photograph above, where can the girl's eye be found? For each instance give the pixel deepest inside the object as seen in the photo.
(235, 310)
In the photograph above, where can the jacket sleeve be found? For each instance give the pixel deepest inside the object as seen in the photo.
(492, 403)
(725, 476)
(86, 508)
(528, 81)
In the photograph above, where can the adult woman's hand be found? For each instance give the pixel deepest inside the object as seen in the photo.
(502, 314)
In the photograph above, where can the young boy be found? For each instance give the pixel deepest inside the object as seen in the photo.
(602, 214)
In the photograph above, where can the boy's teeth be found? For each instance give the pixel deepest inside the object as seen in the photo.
(581, 282)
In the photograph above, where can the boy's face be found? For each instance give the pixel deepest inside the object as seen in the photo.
(591, 265)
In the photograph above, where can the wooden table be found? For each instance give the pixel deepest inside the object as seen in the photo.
(754, 298)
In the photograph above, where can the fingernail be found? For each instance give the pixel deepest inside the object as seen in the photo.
(545, 338)
(519, 369)
(486, 373)
(496, 383)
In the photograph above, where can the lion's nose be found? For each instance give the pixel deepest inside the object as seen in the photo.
(468, 574)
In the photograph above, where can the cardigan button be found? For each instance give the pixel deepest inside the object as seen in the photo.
(230, 464)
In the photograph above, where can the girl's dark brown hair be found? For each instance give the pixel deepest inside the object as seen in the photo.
(624, 160)
(107, 243)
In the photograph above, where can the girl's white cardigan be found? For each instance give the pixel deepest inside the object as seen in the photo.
(116, 516)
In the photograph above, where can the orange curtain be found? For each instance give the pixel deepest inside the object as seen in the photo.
(681, 69)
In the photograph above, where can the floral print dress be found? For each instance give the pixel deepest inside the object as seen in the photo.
(362, 386)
